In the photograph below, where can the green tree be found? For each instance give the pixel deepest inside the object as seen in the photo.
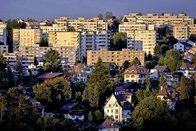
(19, 110)
(52, 61)
(186, 89)
(136, 61)
(98, 85)
(126, 65)
(172, 60)
(97, 115)
(2, 62)
(125, 19)
(54, 91)
(193, 61)
(100, 16)
(157, 50)
(163, 82)
(119, 41)
(152, 114)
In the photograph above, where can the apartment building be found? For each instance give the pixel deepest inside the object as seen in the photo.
(94, 41)
(26, 59)
(26, 37)
(142, 40)
(128, 26)
(63, 38)
(3, 49)
(55, 27)
(183, 32)
(159, 19)
(82, 24)
(117, 57)
(68, 55)
(3, 33)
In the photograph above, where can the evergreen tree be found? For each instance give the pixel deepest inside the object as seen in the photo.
(99, 83)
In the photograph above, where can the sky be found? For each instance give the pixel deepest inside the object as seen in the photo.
(50, 9)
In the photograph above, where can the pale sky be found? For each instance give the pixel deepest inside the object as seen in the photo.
(50, 9)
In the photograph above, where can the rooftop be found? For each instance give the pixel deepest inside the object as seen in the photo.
(49, 75)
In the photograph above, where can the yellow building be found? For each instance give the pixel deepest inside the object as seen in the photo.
(62, 38)
(183, 32)
(82, 24)
(145, 38)
(157, 19)
(26, 37)
(117, 57)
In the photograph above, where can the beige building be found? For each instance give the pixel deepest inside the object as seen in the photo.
(117, 57)
(26, 37)
(142, 40)
(135, 73)
(157, 19)
(63, 38)
(3, 49)
(68, 54)
(128, 26)
(183, 32)
(26, 59)
(82, 24)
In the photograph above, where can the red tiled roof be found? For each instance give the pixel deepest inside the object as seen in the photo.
(136, 69)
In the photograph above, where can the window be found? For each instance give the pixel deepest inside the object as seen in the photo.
(111, 110)
(116, 116)
(107, 111)
(116, 111)
(109, 105)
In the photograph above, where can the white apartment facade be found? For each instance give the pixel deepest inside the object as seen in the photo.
(94, 41)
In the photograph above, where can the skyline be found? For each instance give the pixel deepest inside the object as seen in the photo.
(49, 9)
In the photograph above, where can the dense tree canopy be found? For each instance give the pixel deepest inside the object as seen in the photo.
(119, 41)
(152, 114)
(172, 60)
(52, 61)
(54, 91)
(98, 84)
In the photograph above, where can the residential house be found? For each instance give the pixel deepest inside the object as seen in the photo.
(109, 125)
(188, 55)
(79, 73)
(187, 69)
(74, 111)
(182, 46)
(135, 73)
(120, 105)
(158, 71)
(168, 95)
(48, 76)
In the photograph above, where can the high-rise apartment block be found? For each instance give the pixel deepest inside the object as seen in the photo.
(26, 37)
(140, 36)
(157, 20)
(63, 38)
(117, 57)
(94, 41)
(183, 32)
